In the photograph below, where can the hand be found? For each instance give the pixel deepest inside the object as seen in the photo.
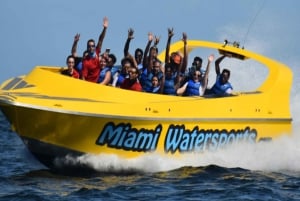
(211, 58)
(156, 40)
(76, 38)
(105, 22)
(170, 32)
(150, 37)
(130, 33)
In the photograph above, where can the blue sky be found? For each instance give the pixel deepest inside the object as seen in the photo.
(40, 32)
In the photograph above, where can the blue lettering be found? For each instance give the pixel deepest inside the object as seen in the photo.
(173, 138)
(177, 138)
(199, 142)
(185, 142)
(123, 136)
(129, 142)
(182, 140)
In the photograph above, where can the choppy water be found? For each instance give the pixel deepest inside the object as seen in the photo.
(256, 172)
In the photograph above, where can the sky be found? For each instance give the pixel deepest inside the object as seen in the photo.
(35, 32)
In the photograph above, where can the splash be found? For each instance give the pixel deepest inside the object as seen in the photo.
(279, 155)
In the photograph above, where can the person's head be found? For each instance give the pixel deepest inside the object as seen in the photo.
(103, 61)
(153, 51)
(111, 60)
(197, 76)
(126, 65)
(176, 58)
(197, 63)
(70, 61)
(225, 75)
(138, 55)
(155, 81)
(133, 73)
(90, 46)
(156, 67)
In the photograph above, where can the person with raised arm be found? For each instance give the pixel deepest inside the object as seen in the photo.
(222, 85)
(197, 85)
(175, 66)
(138, 53)
(91, 62)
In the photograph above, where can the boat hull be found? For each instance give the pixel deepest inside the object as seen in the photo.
(54, 135)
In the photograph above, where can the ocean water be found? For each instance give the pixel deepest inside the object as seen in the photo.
(269, 171)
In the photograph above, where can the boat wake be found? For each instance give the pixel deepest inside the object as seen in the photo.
(280, 155)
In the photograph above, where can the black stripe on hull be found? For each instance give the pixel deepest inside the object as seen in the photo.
(54, 157)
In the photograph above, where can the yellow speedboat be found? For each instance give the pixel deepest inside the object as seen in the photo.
(56, 115)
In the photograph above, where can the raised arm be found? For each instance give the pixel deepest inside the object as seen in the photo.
(145, 58)
(205, 78)
(185, 53)
(150, 62)
(217, 64)
(130, 36)
(170, 35)
(74, 46)
(102, 35)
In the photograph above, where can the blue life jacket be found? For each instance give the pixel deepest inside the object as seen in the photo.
(169, 86)
(121, 79)
(155, 90)
(219, 88)
(102, 74)
(193, 88)
(148, 81)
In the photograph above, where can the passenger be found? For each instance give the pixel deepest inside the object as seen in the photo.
(175, 60)
(170, 81)
(71, 71)
(138, 54)
(198, 84)
(121, 75)
(78, 59)
(196, 65)
(105, 73)
(144, 79)
(132, 82)
(222, 86)
(107, 63)
(174, 73)
(91, 62)
(154, 69)
(156, 85)
(152, 50)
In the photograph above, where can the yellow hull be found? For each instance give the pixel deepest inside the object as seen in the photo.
(57, 115)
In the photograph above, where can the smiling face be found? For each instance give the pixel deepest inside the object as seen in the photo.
(138, 55)
(225, 76)
(91, 46)
(70, 62)
(197, 76)
(156, 67)
(155, 81)
(133, 73)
